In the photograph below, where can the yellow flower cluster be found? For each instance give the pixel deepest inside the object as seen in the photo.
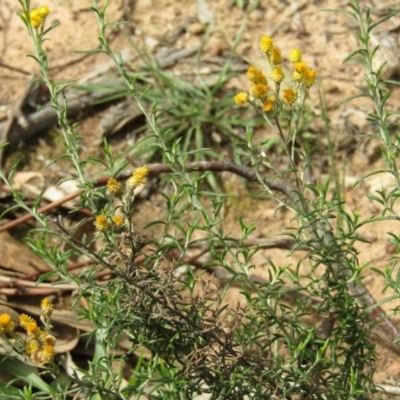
(138, 177)
(272, 52)
(256, 76)
(37, 16)
(259, 89)
(39, 343)
(303, 74)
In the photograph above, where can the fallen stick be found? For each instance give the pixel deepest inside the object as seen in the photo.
(79, 100)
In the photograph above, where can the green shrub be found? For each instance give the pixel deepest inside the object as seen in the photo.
(297, 335)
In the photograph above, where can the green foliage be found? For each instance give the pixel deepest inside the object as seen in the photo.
(186, 336)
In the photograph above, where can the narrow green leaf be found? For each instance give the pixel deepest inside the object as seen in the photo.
(359, 180)
(25, 373)
(382, 20)
(356, 96)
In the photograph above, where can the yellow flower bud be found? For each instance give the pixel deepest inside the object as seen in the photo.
(7, 325)
(266, 44)
(114, 187)
(268, 106)
(256, 76)
(118, 219)
(47, 354)
(25, 320)
(36, 18)
(295, 55)
(275, 56)
(32, 347)
(32, 329)
(259, 91)
(277, 74)
(138, 178)
(241, 98)
(101, 223)
(46, 306)
(309, 77)
(290, 96)
(44, 11)
(49, 340)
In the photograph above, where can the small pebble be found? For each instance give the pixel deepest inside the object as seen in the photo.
(196, 28)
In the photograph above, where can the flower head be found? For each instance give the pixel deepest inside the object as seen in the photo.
(309, 77)
(266, 44)
(114, 187)
(290, 95)
(295, 55)
(256, 76)
(39, 354)
(7, 325)
(32, 347)
(300, 68)
(25, 320)
(268, 105)
(32, 329)
(101, 223)
(241, 98)
(49, 340)
(138, 178)
(118, 219)
(277, 74)
(37, 16)
(275, 56)
(47, 354)
(259, 91)
(44, 11)
(39, 343)
(46, 307)
(302, 73)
